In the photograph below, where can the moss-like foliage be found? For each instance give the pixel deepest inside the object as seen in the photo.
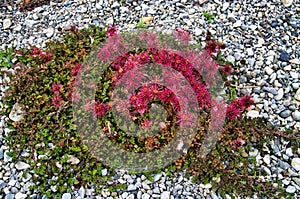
(48, 133)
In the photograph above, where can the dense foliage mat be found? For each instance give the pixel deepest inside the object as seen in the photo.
(41, 84)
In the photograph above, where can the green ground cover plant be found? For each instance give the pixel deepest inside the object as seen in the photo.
(42, 85)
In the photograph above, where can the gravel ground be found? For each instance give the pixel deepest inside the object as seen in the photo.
(264, 35)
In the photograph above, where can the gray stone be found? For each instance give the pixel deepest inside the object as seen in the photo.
(275, 148)
(73, 160)
(20, 195)
(27, 186)
(297, 95)
(231, 59)
(270, 90)
(269, 70)
(124, 195)
(272, 78)
(289, 152)
(9, 196)
(297, 181)
(290, 189)
(151, 11)
(81, 192)
(1, 153)
(66, 196)
(294, 75)
(191, 11)
(18, 28)
(2, 184)
(198, 31)
(296, 115)
(115, 5)
(146, 196)
(165, 195)
(267, 170)
(104, 172)
(285, 181)
(231, 17)
(22, 165)
(252, 27)
(253, 114)
(6, 157)
(242, 79)
(253, 153)
(156, 190)
(36, 16)
(238, 23)
(284, 165)
(225, 6)
(295, 86)
(131, 187)
(49, 32)
(237, 56)
(16, 114)
(287, 3)
(110, 21)
(131, 196)
(279, 95)
(14, 190)
(146, 186)
(30, 23)
(296, 163)
(250, 52)
(251, 61)
(7, 23)
(270, 60)
(286, 113)
(214, 196)
(98, 6)
(267, 159)
(292, 107)
(178, 187)
(157, 177)
(12, 182)
(124, 9)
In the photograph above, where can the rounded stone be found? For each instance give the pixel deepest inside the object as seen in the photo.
(296, 163)
(296, 115)
(286, 113)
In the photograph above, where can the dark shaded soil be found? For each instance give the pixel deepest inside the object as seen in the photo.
(27, 5)
(31, 4)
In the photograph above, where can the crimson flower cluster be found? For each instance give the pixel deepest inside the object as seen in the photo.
(57, 88)
(237, 106)
(238, 143)
(57, 99)
(44, 56)
(111, 31)
(190, 67)
(166, 58)
(213, 46)
(99, 109)
(227, 70)
(182, 35)
(150, 93)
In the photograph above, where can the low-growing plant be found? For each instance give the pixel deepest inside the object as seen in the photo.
(43, 84)
(209, 17)
(141, 24)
